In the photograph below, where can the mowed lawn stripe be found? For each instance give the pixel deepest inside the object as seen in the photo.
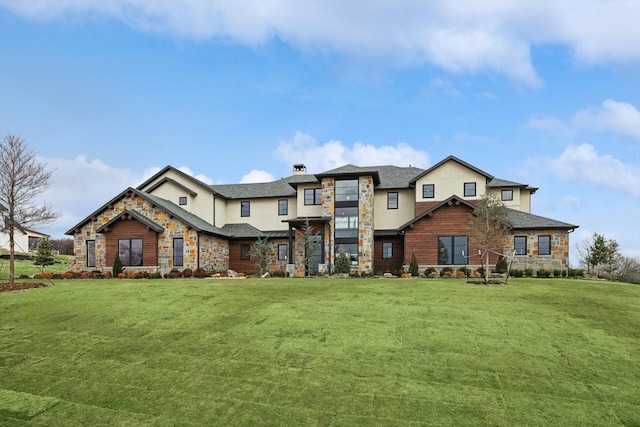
(324, 352)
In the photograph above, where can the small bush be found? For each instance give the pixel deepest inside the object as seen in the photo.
(413, 266)
(117, 266)
(517, 272)
(430, 272)
(557, 273)
(199, 272)
(543, 272)
(155, 276)
(528, 272)
(187, 272)
(501, 265)
(343, 265)
(173, 274)
(446, 272)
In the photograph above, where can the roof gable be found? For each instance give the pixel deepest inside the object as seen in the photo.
(453, 200)
(453, 159)
(174, 182)
(128, 214)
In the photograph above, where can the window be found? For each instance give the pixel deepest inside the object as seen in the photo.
(469, 189)
(346, 222)
(313, 196)
(282, 252)
(245, 252)
(520, 245)
(178, 252)
(245, 208)
(544, 245)
(507, 195)
(130, 252)
(91, 253)
(283, 207)
(387, 250)
(452, 250)
(182, 201)
(347, 190)
(428, 191)
(392, 200)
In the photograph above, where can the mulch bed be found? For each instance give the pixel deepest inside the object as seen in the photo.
(5, 287)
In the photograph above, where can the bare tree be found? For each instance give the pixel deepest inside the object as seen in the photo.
(490, 225)
(262, 253)
(22, 179)
(584, 253)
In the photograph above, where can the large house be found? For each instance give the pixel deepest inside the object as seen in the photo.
(380, 216)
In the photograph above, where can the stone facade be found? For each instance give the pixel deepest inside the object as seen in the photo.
(365, 225)
(558, 259)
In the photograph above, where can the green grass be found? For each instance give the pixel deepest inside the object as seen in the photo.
(320, 352)
(28, 268)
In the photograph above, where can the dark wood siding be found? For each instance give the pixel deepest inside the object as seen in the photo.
(132, 229)
(422, 238)
(388, 265)
(246, 266)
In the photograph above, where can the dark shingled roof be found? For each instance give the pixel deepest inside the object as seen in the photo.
(284, 187)
(497, 182)
(174, 182)
(188, 218)
(386, 176)
(524, 220)
(241, 231)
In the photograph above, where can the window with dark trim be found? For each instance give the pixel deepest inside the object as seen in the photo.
(544, 244)
(245, 252)
(520, 245)
(428, 191)
(452, 250)
(91, 253)
(178, 251)
(282, 252)
(313, 196)
(469, 189)
(245, 208)
(392, 200)
(283, 207)
(506, 195)
(387, 250)
(182, 200)
(130, 252)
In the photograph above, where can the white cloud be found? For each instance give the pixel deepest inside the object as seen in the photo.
(615, 116)
(460, 36)
(581, 163)
(319, 158)
(257, 176)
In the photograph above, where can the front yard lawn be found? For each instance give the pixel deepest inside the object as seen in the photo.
(320, 352)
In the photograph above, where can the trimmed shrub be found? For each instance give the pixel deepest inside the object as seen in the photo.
(501, 265)
(528, 272)
(557, 273)
(413, 266)
(117, 266)
(199, 272)
(431, 272)
(517, 272)
(343, 266)
(542, 272)
(187, 272)
(446, 272)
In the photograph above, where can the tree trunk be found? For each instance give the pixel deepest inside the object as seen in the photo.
(486, 270)
(12, 256)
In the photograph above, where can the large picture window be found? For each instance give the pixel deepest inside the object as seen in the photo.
(347, 190)
(91, 253)
(346, 222)
(520, 245)
(452, 250)
(544, 244)
(178, 252)
(130, 252)
(313, 196)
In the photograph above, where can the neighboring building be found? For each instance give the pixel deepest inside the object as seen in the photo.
(380, 216)
(25, 239)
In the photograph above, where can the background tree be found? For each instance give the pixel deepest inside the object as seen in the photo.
(628, 269)
(602, 252)
(262, 253)
(611, 265)
(44, 253)
(490, 225)
(63, 246)
(584, 253)
(22, 179)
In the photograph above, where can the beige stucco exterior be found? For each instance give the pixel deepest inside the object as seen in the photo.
(388, 219)
(449, 179)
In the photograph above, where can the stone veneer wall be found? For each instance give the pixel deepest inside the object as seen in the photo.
(213, 252)
(365, 224)
(559, 258)
(328, 206)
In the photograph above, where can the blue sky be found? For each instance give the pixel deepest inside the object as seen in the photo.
(545, 93)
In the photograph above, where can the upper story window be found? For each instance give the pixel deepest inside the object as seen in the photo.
(283, 207)
(245, 208)
(392, 200)
(428, 191)
(346, 190)
(506, 195)
(313, 196)
(520, 245)
(544, 244)
(469, 189)
(182, 200)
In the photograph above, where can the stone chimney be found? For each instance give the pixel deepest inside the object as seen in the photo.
(299, 169)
